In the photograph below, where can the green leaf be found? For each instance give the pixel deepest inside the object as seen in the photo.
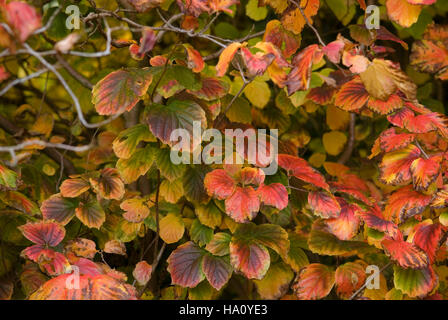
(255, 12)
(200, 234)
(167, 168)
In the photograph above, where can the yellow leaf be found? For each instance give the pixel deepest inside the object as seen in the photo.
(382, 78)
(276, 281)
(171, 191)
(334, 142)
(172, 228)
(43, 125)
(337, 119)
(258, 93)
(317, 159)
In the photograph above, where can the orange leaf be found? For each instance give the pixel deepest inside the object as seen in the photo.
(395, 166)
(314, 282)
(349, 278)
(403, 12)
(243, 205)
(274, 195)
(346, 225)
(226, 57)
(71, 188)
(405, 254)
(324, 204)
(405, 203)
(352, 95)
(294, 21)
(219, 184)
(195, 61)
(300, 75)
(425, 171)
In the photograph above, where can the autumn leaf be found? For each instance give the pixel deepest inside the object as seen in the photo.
(292, 18)
(314, 282)
(299, 77)
(23, 18)
(120, 90)
(405, 254)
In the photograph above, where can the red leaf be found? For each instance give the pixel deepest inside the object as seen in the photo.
(425, 171)
(44, 233)
(352, 95)
(185, 265)
(274, 195)
(349, 278)
(23, 18)
(324, 204)
(251, 259)
(101, 287)
(405, 203)
(391, 141)
(314, 282)
(217, 270)
(362, 4)
(397, 119)
(212, 89)
(395, 166)
(426, 235)
(243, 205)
(374, 219)
(405, 254)
(321, 95)
(52, 262)
(120, 90)
(355, 192)
(256, 63)
(59, 209)
(142, 272)
(346, 225)
(278, 35)
(193, 7)
(219, 184)
(300, 75)
(333, 50)
(394, 102)
(383, 34)
(300, 169)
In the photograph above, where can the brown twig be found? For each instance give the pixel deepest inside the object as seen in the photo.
(351, 141)
(75, 74)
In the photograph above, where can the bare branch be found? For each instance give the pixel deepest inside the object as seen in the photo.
(12, 149)
(75, 74)
(21, 80)
(69, 91)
